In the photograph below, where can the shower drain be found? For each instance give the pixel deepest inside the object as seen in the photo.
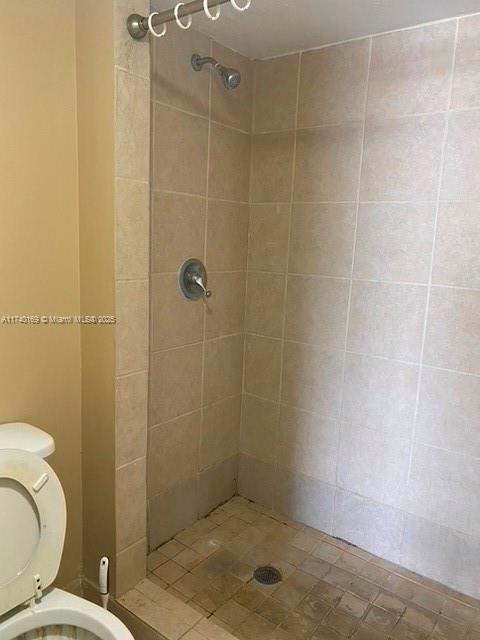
(267, 575)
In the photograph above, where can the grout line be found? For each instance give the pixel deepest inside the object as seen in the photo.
(370, 119)
(286, 275)
(432, 261)
(208, 118)
(245, 304)
(131, 374)
(328, 349)
(297, 202)
(352, 270)
(203, 301)
(196, 410)
(197, 195)
(373, 36)
(215, 271)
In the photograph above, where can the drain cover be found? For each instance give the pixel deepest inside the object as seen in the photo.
(267, 575)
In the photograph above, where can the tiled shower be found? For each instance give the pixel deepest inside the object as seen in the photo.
(334, 374)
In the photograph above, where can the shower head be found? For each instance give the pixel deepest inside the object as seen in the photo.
(231, 78)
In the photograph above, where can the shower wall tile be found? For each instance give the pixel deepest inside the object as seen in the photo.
(372, 526)
(443, 488)
(333, 84)
(457, 258)
(131, 229)
(174, 82)
(131, 403)
(131, 55)
(317, 311)
(272, 167)
(322, 239)
(173, 452)
(275, 99)
(387, 320)
(379, 394)
(268, 237)
(326, 435)
(220, 432)
(374, 464)
(131, 567)
(332, 445)
(199, 210)
(312, 378)
(131, 157)
(422, 59)
(180, 151)
(304, 499)
(262, 366)
(132, 326)
(175, 321)
(175, 383)
(229, 175)
(171, 511)
(394, 242)
(233, 108)
(225, 309)
(130, 497)
(217, 485)
(448, 411)
(462, 157)
(227, 236)
(453, 329)
(256, 480)
(223, 368)
(132, 142)
(265, 304)
(308, 443)
(445, 555)
(178, 230)
(466, 85)
(258, 436)
(328, 163)
(407, 148)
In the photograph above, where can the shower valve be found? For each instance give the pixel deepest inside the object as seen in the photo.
(192, 280)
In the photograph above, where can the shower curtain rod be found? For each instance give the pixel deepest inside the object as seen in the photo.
(138, 25)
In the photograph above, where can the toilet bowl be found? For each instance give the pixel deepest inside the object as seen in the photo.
(32, 534)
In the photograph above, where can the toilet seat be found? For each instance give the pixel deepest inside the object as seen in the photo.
(32, 527)
(61, 608)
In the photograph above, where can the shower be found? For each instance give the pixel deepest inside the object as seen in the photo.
(231, 78)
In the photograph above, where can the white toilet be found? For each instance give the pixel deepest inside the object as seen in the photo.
(32, 532)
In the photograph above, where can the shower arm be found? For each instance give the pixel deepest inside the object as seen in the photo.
(138, 25)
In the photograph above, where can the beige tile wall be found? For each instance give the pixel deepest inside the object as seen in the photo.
(362, 361)
(200, 195)
(132, 232)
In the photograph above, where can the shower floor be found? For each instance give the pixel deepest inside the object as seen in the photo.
(330, 590)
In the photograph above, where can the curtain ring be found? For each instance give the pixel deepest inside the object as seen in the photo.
(152, 30)
(179, 22)
(208, 13)
(238, 8)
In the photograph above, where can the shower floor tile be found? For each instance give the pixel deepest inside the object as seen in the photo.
(330, 590)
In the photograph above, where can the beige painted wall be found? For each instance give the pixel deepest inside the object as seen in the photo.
(40, 365)
(65, 209)
(94, 41)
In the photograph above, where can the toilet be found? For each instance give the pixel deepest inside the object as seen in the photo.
(32, 533)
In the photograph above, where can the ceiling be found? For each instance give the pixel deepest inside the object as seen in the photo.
(275, 27)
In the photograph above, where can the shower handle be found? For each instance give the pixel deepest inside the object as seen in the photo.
(198, 280)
